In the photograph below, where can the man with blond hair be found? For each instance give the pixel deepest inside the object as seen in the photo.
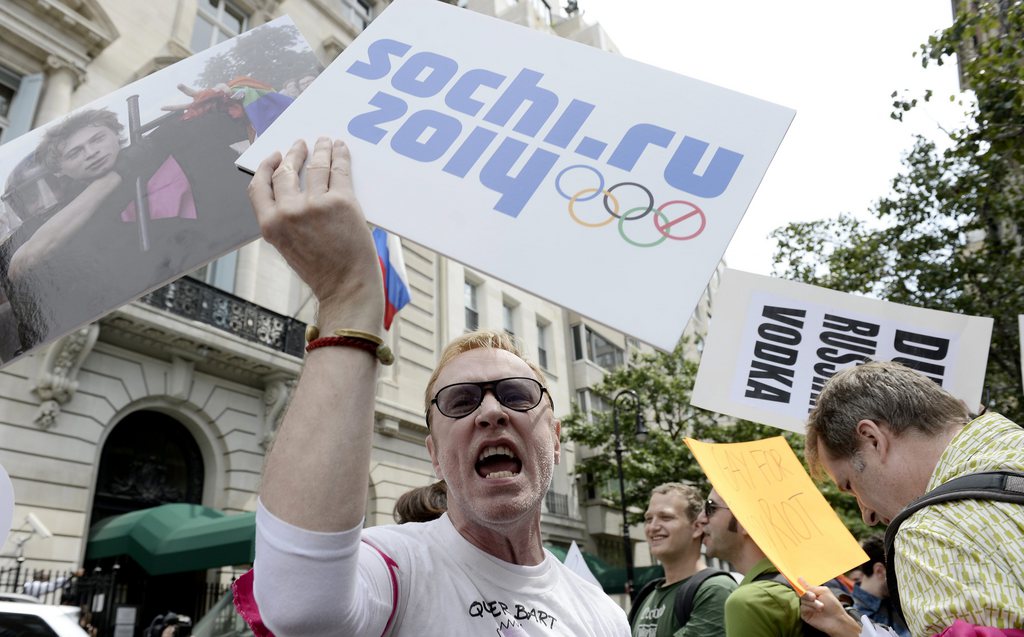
(674, 536)
(888, 435)
(479, 569)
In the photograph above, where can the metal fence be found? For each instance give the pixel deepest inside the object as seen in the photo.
(97, 594)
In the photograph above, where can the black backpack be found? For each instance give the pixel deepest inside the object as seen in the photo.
(808, 630)
(1004, 486)
(684, 596)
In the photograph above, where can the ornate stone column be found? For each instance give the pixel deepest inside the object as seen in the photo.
(62, 77)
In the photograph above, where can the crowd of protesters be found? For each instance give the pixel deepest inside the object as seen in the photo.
(881, 431)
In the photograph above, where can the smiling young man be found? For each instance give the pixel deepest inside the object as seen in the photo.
(479, 569)
(888, 434)
(674, 536)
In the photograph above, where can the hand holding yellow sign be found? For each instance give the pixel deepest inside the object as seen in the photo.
(770, 493)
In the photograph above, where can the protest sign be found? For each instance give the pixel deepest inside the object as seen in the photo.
(604, 185)
(773, 344)
(770, 493)
(138, 187)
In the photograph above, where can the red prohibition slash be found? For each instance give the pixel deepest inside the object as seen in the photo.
(665, 229)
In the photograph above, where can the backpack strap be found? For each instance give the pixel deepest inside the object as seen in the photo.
(684, 596)
(638, 599)
(1003, 486)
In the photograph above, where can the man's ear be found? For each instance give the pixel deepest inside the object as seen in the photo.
(874, 435)
(558, 441)
(433, 456)
(878, 570)
(698, 529)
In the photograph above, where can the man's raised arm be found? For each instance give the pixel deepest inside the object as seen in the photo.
(317, 470)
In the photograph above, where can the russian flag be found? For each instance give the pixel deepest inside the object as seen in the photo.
(392, 266)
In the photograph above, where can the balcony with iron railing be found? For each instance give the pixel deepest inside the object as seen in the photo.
(198, 301)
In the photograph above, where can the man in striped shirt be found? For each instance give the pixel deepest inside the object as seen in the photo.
(888, 434)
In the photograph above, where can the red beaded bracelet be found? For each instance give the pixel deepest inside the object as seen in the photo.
(351, 338)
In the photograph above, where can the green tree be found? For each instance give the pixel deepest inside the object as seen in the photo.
(949, 234)
(664, 383)
(271, 55)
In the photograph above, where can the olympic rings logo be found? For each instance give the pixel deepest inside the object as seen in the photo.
(680, 228)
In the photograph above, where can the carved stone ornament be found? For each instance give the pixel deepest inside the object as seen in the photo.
(58, 377)
(276, 396)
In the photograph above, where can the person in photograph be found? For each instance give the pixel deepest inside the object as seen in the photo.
(79, 251)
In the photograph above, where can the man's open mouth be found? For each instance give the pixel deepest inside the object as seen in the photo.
(498, 462)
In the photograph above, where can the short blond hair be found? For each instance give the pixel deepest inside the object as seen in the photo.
(479, 339)
(689, 493)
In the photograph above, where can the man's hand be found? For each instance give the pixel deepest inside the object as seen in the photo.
(320, 231)
(197, 95)
(820, 608)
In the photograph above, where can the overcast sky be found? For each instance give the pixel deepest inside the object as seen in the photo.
(836, 63)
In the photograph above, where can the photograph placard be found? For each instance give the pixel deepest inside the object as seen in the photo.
(139, 187)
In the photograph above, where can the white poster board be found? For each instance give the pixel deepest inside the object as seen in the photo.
(72, 246)
(602, 184)
(773, 343)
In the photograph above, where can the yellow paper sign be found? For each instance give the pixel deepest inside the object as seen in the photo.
(767, 489)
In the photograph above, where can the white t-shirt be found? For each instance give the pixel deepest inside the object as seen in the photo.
(416, 579)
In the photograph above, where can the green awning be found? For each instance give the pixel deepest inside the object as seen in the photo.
(612, 578)
(174, 538)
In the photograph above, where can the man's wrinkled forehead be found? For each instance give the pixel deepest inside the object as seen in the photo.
(480, 364)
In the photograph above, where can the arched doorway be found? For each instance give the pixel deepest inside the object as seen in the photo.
(148, 459)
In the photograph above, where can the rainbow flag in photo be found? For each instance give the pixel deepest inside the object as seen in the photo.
(392, 267)
(261, 103)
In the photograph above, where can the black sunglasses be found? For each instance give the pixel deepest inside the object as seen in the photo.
(710, 506)
(461, 399)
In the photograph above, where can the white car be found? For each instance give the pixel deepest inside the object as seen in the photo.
(19, 619)
(19, 597)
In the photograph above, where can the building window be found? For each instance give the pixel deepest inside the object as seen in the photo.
(557, 503)
(472, 314)
(542, 345)
(220, 273)
(589, 345)
(591, 403)
(508, 318)
(19, 95)
(8, 89)
(216, 21)
(358, 12)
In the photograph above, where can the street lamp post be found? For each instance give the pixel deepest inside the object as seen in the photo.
(641, 436)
